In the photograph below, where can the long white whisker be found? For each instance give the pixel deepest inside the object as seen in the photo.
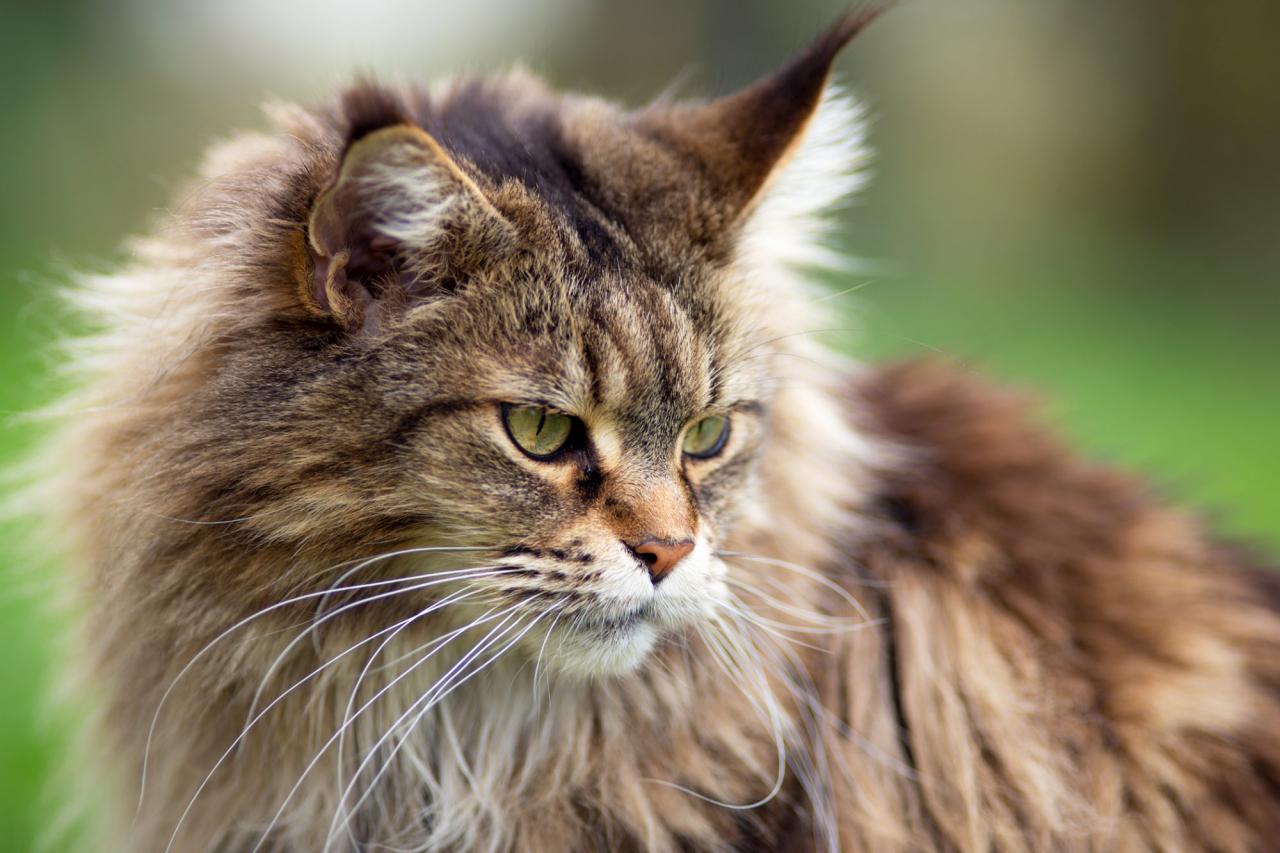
(783, 629)
(839, 293)
(151, 731)
(820, 623)
(494, 636)
(341, 812)
(347, 716)
(537, 666)
(426, 646)
(453, 576)
(812, 575)
(765, 705)
(362, 562)
(812, 764)
(244, 732)
(761, 344)
(778, 588)
(867, 746)
(451, 681)
(328, 743)
(741, 613)
(359, 565)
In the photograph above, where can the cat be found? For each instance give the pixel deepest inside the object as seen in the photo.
(454, 471)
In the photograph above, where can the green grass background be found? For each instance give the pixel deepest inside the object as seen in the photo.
(1078, 200)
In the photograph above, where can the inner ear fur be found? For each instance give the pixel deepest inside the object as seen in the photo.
(741, 140)
(395, 224)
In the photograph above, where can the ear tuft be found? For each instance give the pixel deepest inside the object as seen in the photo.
(368, 106)
(396, 223)
(741, 140)
(790, 223)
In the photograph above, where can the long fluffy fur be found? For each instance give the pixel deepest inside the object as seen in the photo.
(949, 634)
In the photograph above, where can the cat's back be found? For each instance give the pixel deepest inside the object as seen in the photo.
(1070, 658)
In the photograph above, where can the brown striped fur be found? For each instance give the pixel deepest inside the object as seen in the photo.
(1075, 665)
(911, 620)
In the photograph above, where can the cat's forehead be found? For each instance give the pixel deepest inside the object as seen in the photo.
(655, 348)
(543, 156)
(647, 354)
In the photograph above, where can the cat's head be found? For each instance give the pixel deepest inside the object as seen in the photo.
(538, 332)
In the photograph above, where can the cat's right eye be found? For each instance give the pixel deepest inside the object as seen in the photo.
(538, 431)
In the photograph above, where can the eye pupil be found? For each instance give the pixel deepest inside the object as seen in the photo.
(538, 431)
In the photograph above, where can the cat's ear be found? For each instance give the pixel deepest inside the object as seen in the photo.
(398, 222)
(740, 141)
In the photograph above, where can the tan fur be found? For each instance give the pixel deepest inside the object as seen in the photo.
(1074, 660)
(911, 621)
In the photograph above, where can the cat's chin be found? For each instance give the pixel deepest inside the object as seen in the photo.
(603, 651)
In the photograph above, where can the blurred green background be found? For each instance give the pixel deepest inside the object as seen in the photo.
(1080, 197)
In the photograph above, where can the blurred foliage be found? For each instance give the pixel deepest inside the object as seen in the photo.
(1081, 197)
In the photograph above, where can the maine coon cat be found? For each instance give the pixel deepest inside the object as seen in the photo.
(454, 472)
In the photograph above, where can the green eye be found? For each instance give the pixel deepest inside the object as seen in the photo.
(706, 438)
(537, 430)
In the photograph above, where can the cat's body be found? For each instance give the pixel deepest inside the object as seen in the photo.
(898, 618)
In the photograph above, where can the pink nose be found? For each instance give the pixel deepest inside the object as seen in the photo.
(660, 555)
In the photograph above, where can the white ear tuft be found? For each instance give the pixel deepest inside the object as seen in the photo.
(791, 224)
(396, 222)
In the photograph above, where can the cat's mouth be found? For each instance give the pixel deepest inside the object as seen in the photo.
(613, 631)
(610, 642)
(618, 622)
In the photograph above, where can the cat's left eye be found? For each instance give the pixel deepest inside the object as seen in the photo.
(707, 437)
(538, 431)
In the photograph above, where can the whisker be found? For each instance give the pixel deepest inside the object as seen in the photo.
(746, 617)
(364, 563)
(460, 575)
(782, 629)
(759, 344)
(146, 753)
(765, 705)
(328, 743)
(839, 293)
(537, 667)
(215, 522)
(816, 717)
(348, 718)
(422, 647)
(868, 747)
(812, 575)
(812, 765)
(440, 694)
(244, 732)
(822, 620)
(451, 680)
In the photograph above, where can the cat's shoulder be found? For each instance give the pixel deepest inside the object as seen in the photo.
(974, 483)
(1064, 603)
(967, 457)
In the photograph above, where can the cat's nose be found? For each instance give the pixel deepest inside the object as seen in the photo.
(660, 555)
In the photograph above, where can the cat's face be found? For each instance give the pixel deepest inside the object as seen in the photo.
(522, 336)
(600, 440)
